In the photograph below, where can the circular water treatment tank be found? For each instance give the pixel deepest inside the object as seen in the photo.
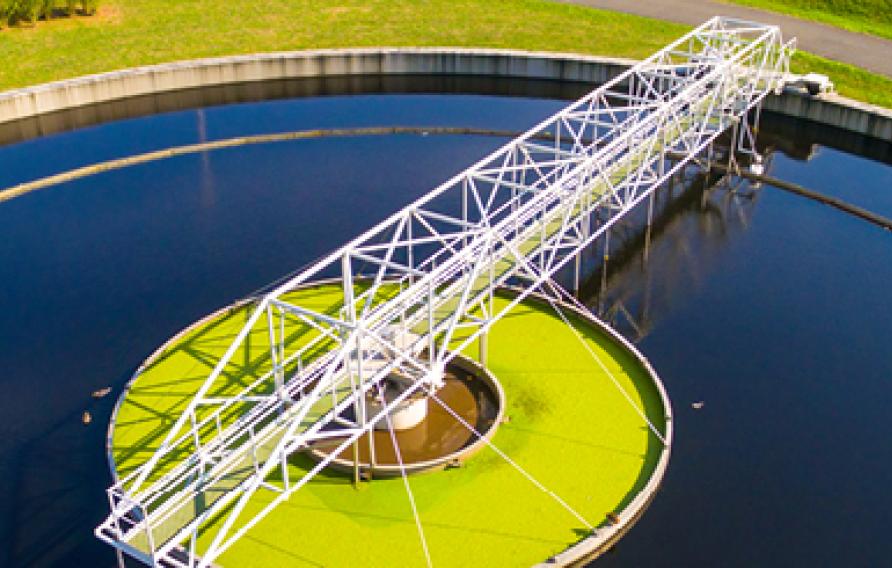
(567, 464)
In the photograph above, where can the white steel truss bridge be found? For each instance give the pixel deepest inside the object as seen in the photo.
(418, 287)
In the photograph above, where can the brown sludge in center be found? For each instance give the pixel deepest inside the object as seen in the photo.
(439, 433)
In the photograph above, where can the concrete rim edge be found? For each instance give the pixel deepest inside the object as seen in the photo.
(583, 551)
(34, 101)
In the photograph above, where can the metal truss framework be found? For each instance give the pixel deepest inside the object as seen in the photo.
(418, 288)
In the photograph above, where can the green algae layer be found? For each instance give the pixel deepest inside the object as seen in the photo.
(570, 428)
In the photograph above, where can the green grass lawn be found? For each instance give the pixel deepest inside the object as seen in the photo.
(863, 16)
(569, 427)
(850, 81)
(127, 33)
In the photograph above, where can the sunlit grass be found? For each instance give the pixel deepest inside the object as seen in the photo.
(139, 32)
(863, 16)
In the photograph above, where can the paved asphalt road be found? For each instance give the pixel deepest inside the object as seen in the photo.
(869, 52)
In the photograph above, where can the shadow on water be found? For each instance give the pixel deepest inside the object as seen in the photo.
(57, 493)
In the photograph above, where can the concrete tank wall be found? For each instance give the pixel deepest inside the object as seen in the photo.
(34, 101)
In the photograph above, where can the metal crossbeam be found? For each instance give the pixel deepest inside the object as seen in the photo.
(418, 287)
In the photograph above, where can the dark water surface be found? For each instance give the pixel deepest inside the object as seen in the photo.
(773, 310)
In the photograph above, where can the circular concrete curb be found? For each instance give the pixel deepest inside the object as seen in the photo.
(48, 98)
(605, 537)
(578, 554)
(155, 79)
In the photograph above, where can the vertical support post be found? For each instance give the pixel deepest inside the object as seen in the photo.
(736, 133)
(355, 374)
(286, 477)
(347, 279)
(149, 537)
(431, 347)
(118, 532)
(282, 342)
(362, 418)
(709, 157)
(746, 143)
(484, 348)
(355, 447)
(278, 386)
(601, 296)
(515, 178)
(410, 250)
(193, 546)
(195, 437)
(540, 215)
(464, 208)
(650, 216)
(488, 308)
(372, 458)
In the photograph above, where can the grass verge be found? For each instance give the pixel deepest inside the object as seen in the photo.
(850, 81)
(863, 16)
(141, 32)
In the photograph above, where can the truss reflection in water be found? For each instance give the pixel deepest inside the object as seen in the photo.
(634, 276)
